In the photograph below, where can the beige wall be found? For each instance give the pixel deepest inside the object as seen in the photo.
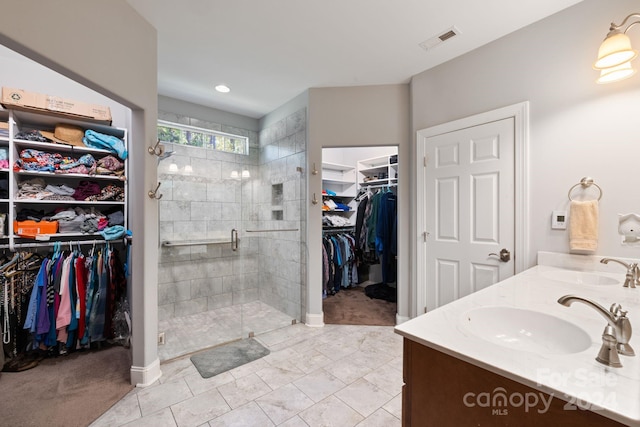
(356, 117)
(577, 128)
(109, 48)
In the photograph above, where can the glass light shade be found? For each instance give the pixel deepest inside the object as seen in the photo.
(173, 167)
(615, 50)
(188, 169)
(235, 175)
(617, 73)
(246, 174)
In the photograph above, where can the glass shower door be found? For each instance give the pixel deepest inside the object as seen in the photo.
(206, 268)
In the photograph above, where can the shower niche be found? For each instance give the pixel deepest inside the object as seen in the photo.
(277, 199)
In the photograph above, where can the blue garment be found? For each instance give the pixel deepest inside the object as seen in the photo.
(384, 233)
(105, 142)
(30, 321)
(42, 281)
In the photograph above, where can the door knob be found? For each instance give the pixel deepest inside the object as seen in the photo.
(505, 255)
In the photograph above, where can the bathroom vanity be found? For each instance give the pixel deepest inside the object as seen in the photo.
(511, 355)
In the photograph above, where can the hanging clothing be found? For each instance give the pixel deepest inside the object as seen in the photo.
(60, 303)
(339, 266)
(376, 231)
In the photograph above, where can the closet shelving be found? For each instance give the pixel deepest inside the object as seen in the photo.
(379, 171)
(341, 180)
(18, 121)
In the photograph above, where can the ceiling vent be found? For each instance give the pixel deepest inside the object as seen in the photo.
(447, 34)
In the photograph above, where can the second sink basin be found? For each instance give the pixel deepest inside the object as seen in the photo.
(579, 277)
(526, 330)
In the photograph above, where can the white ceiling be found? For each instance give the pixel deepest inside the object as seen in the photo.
(268, 52)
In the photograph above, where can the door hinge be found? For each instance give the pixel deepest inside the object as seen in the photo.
(424, 159)
(425, 234)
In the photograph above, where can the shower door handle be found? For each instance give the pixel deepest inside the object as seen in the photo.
(234, 239)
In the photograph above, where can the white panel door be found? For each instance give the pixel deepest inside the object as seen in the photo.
(470, 213)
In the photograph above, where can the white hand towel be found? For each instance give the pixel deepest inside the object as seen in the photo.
(583, 225)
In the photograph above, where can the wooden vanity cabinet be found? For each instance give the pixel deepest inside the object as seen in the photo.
(435, 385)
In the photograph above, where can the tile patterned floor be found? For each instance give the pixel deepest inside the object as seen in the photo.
(184, 335)
(332, 376)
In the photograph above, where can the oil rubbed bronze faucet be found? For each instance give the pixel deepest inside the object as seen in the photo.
(633, 273)
(616, 335)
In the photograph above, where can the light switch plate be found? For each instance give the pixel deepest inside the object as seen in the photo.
(559, 220)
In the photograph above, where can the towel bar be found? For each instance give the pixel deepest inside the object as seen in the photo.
(586, 182)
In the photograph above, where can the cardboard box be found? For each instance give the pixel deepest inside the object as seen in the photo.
(30, 228)
(31, 101)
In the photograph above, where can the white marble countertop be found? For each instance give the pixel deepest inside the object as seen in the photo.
(576, 378)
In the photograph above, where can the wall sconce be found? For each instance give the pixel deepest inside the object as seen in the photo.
(244, 174)
(188, 169)
(615, 53)
(173, 167)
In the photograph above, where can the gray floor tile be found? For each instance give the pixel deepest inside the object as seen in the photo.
(284, 403)
(249, 414)
(380, 418)
(162, 418)
(364, 397)
(339, 375)
(243, 390)
(330, 412)
(319, 385)
(164, 395)
(202, 408)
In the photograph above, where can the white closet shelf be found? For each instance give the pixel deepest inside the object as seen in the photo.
(67, 202)
(67, 148)
(69, 175)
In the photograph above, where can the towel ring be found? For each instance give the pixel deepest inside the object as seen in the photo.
(585, 182)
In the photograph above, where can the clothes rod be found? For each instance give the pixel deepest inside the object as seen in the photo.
(379, 186)
(272, 230)
(168, 243)
(62, 243)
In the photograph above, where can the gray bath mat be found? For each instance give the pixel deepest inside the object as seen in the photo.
(221, 359)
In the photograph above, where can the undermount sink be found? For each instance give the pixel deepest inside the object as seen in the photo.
(580, 277)
(526, 330)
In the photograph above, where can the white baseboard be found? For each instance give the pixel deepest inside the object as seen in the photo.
(143, 376)
(401, 319)
(314, 320)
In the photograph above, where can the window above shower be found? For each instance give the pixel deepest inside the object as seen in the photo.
(193, 136)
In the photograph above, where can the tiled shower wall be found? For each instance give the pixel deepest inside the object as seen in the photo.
(282, 255)
(201, 201)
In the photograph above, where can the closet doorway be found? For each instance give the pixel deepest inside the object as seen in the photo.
(359, 235)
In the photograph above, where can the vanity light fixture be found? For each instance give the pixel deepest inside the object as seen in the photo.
(173, 167)
(245, 173)
(188, 169)
(223, 88)
(616, 53)
(234, 175)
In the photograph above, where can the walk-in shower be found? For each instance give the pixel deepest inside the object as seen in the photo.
(232, 250)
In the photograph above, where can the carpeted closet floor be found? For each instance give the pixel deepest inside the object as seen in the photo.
(352, 306)
(69, 391)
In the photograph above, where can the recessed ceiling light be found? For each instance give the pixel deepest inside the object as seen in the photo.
(223, 88)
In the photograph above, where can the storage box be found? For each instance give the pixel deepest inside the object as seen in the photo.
(31, 101)
(30, 228)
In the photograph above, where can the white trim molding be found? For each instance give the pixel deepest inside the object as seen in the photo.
(520, 113)
(144, 376)
(314, 320)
